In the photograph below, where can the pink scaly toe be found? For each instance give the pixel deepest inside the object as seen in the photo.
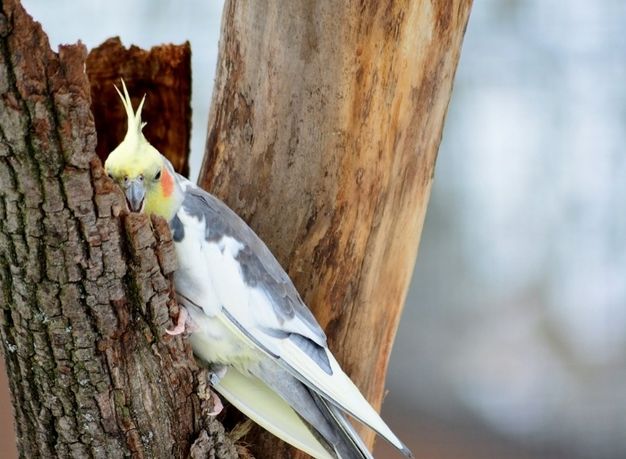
(217, 404)
(180, 323)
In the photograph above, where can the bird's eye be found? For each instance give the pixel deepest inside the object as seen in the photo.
(110, 175)
(158, 175)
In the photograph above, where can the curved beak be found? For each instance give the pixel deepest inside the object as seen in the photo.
(135, 192)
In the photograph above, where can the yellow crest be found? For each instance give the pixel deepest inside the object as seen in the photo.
(135, 125)
(134, 155)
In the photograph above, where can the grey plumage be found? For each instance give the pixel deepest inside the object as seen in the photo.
(258, 265)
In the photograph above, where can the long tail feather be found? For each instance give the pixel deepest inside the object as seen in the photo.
(353, 445)
(326, 420)
(261, 404)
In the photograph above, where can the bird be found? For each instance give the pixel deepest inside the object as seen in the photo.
(267, 354)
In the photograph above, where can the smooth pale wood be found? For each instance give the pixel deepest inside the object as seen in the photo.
(324, 128)
(163, 73)
(85, 290)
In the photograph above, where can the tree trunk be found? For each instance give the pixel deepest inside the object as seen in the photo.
(324, 128)
(323, 134)
(86, 294)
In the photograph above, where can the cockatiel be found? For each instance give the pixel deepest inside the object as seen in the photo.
(268, 354)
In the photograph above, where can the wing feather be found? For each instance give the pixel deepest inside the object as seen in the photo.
(259, 268)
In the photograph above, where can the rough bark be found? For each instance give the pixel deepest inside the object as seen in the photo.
(324, 128)
(164, 74)
(85, 292)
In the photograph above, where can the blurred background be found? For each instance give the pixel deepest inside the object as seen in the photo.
(513, 340)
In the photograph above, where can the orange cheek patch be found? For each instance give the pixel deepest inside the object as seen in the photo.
(167, 183)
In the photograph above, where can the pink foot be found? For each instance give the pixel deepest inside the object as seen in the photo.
(217, 405)
(180, 323)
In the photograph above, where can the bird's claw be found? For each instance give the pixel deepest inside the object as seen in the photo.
(217, 404)
(180, 323)
(216, 373)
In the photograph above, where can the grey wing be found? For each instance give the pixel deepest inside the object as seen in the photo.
(259, 266)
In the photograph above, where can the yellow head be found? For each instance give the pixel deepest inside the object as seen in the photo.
(147, 177)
